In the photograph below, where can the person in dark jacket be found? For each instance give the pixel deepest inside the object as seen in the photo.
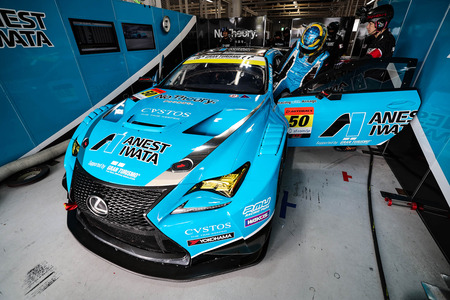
(380, 42)
(278, 40)
(226, 41)
(334, 45)
(286, 37)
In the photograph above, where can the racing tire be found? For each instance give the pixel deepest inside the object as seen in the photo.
(28, 176)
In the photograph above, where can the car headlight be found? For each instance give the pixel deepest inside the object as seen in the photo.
(226, 185)
(182, 209)
(75, 148)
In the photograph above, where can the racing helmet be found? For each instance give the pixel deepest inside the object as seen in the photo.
(380, 16)
(333, 27)
(313, 38)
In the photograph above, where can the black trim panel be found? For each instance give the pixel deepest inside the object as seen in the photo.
(205, 265)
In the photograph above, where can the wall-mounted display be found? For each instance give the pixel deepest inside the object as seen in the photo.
(242, 32)
(138, 36)
(94, 36)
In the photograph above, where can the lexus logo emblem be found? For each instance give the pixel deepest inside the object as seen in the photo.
(97, 206)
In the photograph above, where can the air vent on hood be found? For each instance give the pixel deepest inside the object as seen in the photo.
(142, 124)
(219, 122)
(147, 124)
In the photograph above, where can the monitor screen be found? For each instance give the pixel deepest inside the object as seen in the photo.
(94, 36)
(138, 36)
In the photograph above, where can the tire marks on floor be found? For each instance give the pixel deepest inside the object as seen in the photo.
(39, 278)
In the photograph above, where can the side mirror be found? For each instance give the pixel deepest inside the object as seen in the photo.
(147, 80)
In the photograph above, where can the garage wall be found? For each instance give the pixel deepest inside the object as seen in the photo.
(46, 86)
(422, 29)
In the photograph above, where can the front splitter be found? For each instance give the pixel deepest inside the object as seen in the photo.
(204, 266)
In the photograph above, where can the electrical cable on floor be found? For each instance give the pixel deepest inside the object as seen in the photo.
(374, 234)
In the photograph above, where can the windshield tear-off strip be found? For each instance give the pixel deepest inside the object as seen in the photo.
(226, 61)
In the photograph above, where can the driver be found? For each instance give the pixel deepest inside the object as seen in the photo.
(306, 59)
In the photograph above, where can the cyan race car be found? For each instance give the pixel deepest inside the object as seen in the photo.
(180, 180)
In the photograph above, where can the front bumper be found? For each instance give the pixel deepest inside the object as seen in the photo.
(170, 266)
(128, 239)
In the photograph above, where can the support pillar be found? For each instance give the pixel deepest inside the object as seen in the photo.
(236, 8)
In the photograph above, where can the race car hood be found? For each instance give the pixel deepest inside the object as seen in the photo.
(143, 136)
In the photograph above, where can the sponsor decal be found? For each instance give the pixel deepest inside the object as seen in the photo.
(208, 230)
(23, 28)
(390, 121)
(227, 59)
(96, 165)
(237, 33)
(178, 102)
(256, 219)
(300, 119)
(245, 96)
(185, 98)
(298, 136)
(234, 96)
(142, 149)
(165, 113)
(149, 93)
(332, 143)
(215, 238)
(253, 209)
(223, 56)
(116, 168)
(298, 101)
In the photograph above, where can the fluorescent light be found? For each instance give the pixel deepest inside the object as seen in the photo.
(355, 25)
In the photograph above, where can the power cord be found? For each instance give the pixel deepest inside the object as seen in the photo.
(374, 233)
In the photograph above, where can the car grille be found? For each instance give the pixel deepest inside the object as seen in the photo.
(127, 209)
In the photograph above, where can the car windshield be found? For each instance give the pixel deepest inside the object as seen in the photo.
(239, 78)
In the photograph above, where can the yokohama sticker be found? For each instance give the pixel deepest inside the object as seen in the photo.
(211, 239)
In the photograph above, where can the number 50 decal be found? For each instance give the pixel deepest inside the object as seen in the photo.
(300, 119)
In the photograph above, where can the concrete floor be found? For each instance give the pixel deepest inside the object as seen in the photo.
(321, 249)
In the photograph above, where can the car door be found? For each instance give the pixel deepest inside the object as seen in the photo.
(365, 103)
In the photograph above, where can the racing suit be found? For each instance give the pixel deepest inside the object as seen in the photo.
(297, 68)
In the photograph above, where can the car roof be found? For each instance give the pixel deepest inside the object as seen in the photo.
(255, 51)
